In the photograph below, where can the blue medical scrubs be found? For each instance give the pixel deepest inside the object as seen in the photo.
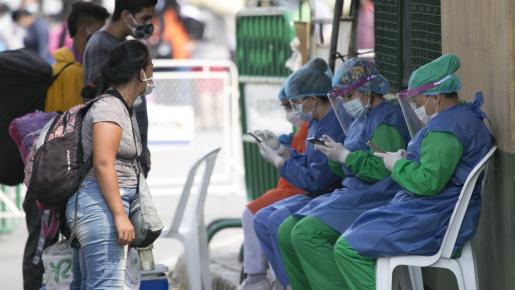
(308, 171)
(415, 225)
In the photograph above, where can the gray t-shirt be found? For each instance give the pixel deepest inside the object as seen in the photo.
(97, 53)
(112, 109)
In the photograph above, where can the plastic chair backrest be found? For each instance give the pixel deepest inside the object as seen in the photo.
(209, 159)
(451, 235)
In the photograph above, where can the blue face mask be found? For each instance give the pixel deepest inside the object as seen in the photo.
(354, 108)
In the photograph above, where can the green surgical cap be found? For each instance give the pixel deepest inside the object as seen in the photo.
(438, 69)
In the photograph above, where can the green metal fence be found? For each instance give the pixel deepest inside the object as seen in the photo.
(8, 225)
(260, 176)
(425, 32)
(263, 42)
(263, 46)
(407, 35)
(388, 40)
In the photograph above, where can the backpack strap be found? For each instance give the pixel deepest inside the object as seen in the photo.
(61, 71)
(84, 169)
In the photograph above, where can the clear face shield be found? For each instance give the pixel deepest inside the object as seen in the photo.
(409, 107)
(341, 114)
(337, 99)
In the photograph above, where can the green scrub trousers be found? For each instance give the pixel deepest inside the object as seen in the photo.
(307, 248)
(358, 272)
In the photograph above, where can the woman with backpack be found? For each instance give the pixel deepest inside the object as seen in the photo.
(97, 213)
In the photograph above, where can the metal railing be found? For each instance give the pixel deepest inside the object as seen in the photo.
(11, 212)
(194, 108)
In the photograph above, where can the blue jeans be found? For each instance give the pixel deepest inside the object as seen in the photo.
(99, 263)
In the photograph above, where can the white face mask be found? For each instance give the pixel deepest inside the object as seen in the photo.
(422, 113)
(151, 84)
(294, 118)
(299, 110)
(33, 8)
(354, 107)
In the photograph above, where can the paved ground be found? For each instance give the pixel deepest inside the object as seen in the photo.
(169, 165)
(225, 244)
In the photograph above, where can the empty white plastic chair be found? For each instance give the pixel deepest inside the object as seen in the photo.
(464, 267)
(188, 225)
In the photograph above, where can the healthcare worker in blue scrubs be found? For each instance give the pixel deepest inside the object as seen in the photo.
(307, 238)
(307, 90)
(432, 174)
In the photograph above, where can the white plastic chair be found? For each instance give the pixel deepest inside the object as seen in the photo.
(464, 267)
(188, 225)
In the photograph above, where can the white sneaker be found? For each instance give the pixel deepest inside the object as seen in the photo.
(261, 285)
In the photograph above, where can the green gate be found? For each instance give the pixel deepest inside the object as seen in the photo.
(425, 32)
(263, 46)
(401, 48)
(389, 40)
(10, 224)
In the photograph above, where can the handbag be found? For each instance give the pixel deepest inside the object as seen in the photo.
(142, 212)
(143, 216)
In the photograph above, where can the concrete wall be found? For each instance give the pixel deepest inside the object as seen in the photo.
(482, 34)
(478, 32)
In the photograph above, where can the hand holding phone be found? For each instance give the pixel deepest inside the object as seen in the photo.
(316, 141)
(254, 136)
(374, 147)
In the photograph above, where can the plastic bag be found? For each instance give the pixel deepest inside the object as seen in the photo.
(57, 260)
(132, 270)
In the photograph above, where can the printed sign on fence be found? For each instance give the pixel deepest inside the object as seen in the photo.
(170, 126)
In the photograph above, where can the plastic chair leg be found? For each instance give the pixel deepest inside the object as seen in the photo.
(468, 268)
(204, 261)
(408, 278)
(192, 256)
(383, 274)
(415, 274)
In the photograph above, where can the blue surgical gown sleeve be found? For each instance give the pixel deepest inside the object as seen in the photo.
(286, 139)
(313, 174)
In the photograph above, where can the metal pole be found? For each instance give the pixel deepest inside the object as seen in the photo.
(354, 13)
(338, 7)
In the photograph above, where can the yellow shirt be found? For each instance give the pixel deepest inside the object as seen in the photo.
(64, 92)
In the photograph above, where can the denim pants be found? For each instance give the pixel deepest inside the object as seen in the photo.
(99, 263)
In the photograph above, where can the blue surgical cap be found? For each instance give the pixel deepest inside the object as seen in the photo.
(282, 94)
(355, 69)
(312, 79)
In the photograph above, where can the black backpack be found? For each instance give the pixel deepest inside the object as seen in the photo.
(54, 169)
(24, 81)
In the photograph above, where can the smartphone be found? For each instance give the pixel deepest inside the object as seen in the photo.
(375, 147)
(314, 140)
(255, 137)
